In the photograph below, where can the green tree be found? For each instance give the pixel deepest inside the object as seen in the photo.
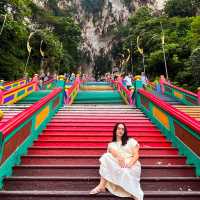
(195, 60)
(13, 49)
(195, 32)
(183, 8)
(60, 34)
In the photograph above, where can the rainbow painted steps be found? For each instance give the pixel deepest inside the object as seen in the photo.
(10, 111)
(166, 98)
(63, 162)
(192, 111)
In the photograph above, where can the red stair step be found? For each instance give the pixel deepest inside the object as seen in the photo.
(92, 130)
(96, 150)
(98, 128)
(100, 133)
(86, 183)
(94, 137)
(94, 160)
(82, 195)
(98, 124)
(72, 143)
(105, 117)
(93, 170)
(100, 115)
(101, 112)
(106, 121)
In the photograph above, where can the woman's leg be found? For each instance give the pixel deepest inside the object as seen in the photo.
(100, 187)
(102, 183)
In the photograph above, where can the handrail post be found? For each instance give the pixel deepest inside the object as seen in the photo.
(1, 95)
(61, 81)
(138, 85)
(1, 82)
(1, 116)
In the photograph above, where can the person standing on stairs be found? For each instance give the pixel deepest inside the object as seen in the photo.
(120, 169)
(128, 81)
(144, 79)
(162, 81)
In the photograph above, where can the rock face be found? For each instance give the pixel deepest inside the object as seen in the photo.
(99, 17)
(40, 3)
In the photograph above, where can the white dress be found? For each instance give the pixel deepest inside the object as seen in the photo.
(122, 182)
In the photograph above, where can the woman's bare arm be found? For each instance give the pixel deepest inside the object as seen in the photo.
(117, 155)
(135, 157)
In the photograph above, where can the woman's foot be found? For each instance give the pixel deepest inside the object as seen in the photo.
(97, 190)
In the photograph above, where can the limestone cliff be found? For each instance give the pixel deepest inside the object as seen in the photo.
(99, 17)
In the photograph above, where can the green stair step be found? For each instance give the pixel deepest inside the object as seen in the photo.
(98, 97)
(34, 97)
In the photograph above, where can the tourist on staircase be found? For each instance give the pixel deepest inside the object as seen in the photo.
(120, 169)
(128, 81)
(162, 81)
(144, 79)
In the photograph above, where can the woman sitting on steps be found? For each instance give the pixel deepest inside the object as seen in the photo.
(120, 169)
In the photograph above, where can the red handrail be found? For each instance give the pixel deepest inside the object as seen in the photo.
(24, 115)
(128, 92)
(181, 116)
(181, 89)
(72, 88)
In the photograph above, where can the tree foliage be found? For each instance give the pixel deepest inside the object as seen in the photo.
(182, 41)
(183, 8)
(60, 36)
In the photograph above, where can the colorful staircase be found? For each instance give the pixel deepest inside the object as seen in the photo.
(96, 86)
(10, 111)
(98, 97)
(98, 93)
(63, 163)
(168, 99)
(192, 111)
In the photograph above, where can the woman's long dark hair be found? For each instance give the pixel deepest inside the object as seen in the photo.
(124, 137)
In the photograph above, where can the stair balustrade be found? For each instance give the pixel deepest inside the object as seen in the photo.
(184, 96)
(181, 129)
(71, 93)
(124, 92)
(16, 94)
(20, 131)
(14, 84)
